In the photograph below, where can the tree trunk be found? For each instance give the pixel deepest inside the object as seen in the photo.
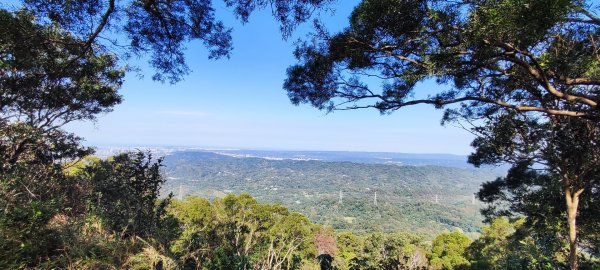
(572, 199)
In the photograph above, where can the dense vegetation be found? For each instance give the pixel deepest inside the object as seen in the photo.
(406, 195)
(121, 223)
(524, 73)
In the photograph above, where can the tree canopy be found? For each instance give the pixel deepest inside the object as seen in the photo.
(528, 71)
(525, 71)
(551, 160)
(64, 61)
(159, 29)
(525, 56)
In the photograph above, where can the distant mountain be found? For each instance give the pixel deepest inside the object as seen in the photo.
(357, 157)
(407, 159)
(347, 190)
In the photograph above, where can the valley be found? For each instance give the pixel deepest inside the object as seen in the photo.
(359, 197)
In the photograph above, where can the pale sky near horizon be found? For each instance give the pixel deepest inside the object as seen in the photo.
(240, 103)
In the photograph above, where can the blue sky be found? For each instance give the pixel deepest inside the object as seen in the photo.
(240, 103)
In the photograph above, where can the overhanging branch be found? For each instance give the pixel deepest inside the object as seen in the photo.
(394, 105)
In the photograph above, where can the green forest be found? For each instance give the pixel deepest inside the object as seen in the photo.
(116, 220)
(373, 196)
(523, 76)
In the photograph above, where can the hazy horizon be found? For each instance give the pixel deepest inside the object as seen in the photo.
(231, 148)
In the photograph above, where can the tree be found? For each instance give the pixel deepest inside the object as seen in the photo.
(39, 94)
(508, 244)
(194, 245)
(383, 251)
(494, 58)
(349, 246)
(237, 232)
(448, 249)
(490, 250)
(59, 64)
(552, 161)
(125, 193)
(37, 98)
(326, 245)
(520, 56)
(161, 28)
(290, 241)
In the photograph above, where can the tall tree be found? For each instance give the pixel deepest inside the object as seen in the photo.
(37, 98)
(492, 58)
(553, 159)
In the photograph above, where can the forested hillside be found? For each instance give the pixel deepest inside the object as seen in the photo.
(345, 195)
(444, 160)
(522, 76)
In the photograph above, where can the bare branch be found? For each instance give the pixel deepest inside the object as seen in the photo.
(103, 22)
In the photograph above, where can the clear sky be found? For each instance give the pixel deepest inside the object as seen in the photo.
(240, 103)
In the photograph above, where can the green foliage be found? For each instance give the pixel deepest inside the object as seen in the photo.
(494, 56)
(405, 194)
(51, 227)
(124, 192)
(381, 251)
(491, 251)
(236, 232)
(524, 73)
(502, 245)
(551, 161)
(159, 30)
(26, 236)
(447, 251)
(44, 85)
(525, 192)
(49, 77)
(350, 246)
